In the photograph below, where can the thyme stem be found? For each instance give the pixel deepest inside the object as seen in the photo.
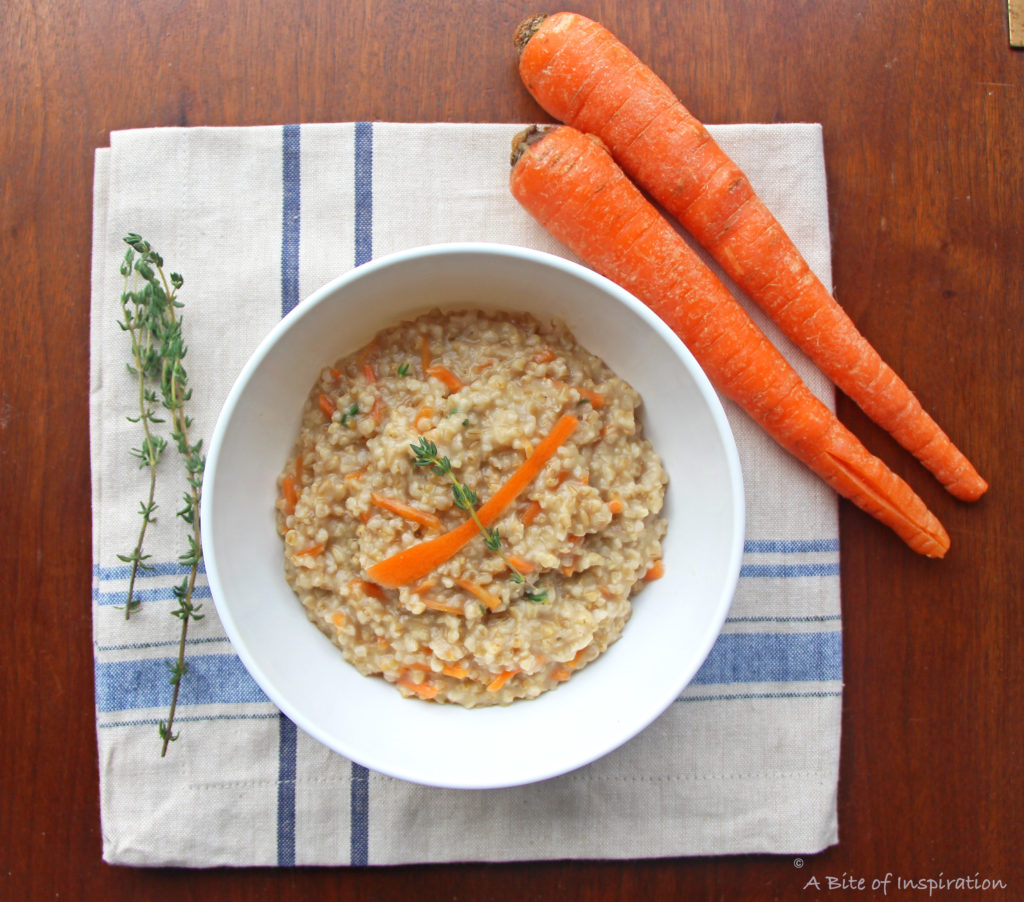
(159, 352)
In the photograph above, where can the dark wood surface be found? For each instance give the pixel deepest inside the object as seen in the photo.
(922, 106)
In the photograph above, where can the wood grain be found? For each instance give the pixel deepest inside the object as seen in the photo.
(922, 107)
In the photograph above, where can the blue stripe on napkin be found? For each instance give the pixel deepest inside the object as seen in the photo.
(359, 793)
(291, 231)
(773, 658)
(291, 212)
(221, 678)
(145, 683)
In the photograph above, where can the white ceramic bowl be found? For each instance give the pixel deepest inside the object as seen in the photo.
(675, 620)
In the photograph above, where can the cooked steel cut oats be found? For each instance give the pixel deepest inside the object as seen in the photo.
(540, 592)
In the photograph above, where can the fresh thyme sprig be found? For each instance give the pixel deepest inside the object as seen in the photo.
(142, 321)
(466, 499)
(162, 362)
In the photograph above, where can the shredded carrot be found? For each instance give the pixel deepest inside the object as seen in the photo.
(545, 355)
(338, 618)
(425, 354)
(560, 672)
(369, 373)
(622, 235)
(433, 604)
(367, 588)
(487, 598)
(396, 506)
(417, 561)
(424, 586)
(584, 76)
(615, 506)
(520, 563)
(312, 551)
(575, 662)
(289, 494)
(382, 643)
(451, 381)
(354, 475)
(424, 413)
(501, 679)
(423, 690)
(655, 571)
(327, 405)
(454, 670)
(530, 513)
(377, 411)
(335, 373)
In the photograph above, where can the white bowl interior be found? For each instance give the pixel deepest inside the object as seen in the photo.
(675, 621)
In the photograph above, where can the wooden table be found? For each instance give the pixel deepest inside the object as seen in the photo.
(922, 106)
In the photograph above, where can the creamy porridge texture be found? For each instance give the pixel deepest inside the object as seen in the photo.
(405, 440)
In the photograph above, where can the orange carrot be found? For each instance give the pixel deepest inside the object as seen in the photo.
(377, 411)
(368, 588)
(530, 513)
(425, 354)
(454, 670)
(655, 571)
(501, 679)
(396, 506)
(433, 604)
(520, 563)
(560, 673)
(451, 381)
(288, 494)
(327, 406)
(312, 551)
(616, 506)
(424, 413)
(417, 561)
(571, 185)
(583, 75)
(484, 596)
(423, 690)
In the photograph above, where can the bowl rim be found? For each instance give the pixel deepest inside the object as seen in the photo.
(327, 291)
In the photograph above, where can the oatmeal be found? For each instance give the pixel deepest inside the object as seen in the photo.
(510, 463)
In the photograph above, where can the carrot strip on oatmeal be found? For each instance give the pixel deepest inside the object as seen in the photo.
(452, 382)
(312, 551)
(423, 690)
(418, 560)
(396, 506)
(486, 597)
(501, 679)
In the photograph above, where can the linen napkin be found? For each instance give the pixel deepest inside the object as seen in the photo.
(746, 760)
